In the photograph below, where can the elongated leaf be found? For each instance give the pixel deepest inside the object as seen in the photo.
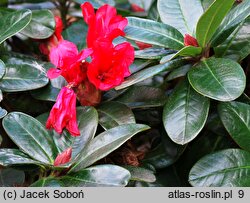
(180, 14)
(152, 53)
(22, 73)
(143, 97)
(10, 157)
(179, 72)
(41, 25)
(13, 23)
(2, 68)
(188, 51)
(113, 114)
(211, 20)
(11, 177)
(236, 16)
(48, 182)
(237, 45)
(236, 119)
(97, 3)
(105, 143)
(150, 72)
(225, 168)
(98, 176)
(87, 123)
(30, 136)
(141, 174)
(151, 32)
(185, 114)
(219, 79)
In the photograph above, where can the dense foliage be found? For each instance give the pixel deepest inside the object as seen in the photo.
(135, 93)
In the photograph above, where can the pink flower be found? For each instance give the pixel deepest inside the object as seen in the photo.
(63, 158)
(105, 23)
(190, 41)
(110, 64)
(69, 63)
(63, 113)
(46, 44)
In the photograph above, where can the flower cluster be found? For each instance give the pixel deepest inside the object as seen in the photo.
(107, 67)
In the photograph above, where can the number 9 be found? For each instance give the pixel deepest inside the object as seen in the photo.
(241, 193)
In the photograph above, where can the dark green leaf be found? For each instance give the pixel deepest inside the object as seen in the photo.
(152, 53)
(41, 25)
(237, 45)
(105, 143)
(11, 177)
(2, 68)
(22, 74)
(211, 20)
(236, 119)
(10, 157)
(30, 136)
(236, 16)
(112, 114)
(185, 114)
(13, 23)
(217, 78)
(151, 32)
(98, 176)
(142, 97)
(180, 14)
(225, 168)
(179, 72)
(77, 33)
(141, 174)
(48, 182)
(87, 123)
(97, 3)
(150, 72)
(188, 51)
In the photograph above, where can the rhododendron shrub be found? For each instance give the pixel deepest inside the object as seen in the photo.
(130, 93)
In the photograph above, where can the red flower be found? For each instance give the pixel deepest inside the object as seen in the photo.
(64, 157)
(70, 64)
(137, 8)
(143, 45)
(63, 113)
(46, 45)
(110, 64)
(104, 24)
(190, 41)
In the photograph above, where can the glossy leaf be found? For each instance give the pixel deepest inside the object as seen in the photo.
(217, 169)
(112, 114)
(211, 20)
(3, 112)
(179, 72)
(105, 143)
(237, 45)
(185, 114)
(155, 33)
(41, 25)
(152, 53)
(30, 136)
(10, 157)
(236, 16)
(98, 176)
(13, 23)
(143, 97)
(188, 51)
(2, 68)
(141, 174)
(236, 119)
(87, 123)
(22, 73)
(180, 14)
(97, 3)
(217, 78)
(150, 72)
(48, 182)
(11, 177)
